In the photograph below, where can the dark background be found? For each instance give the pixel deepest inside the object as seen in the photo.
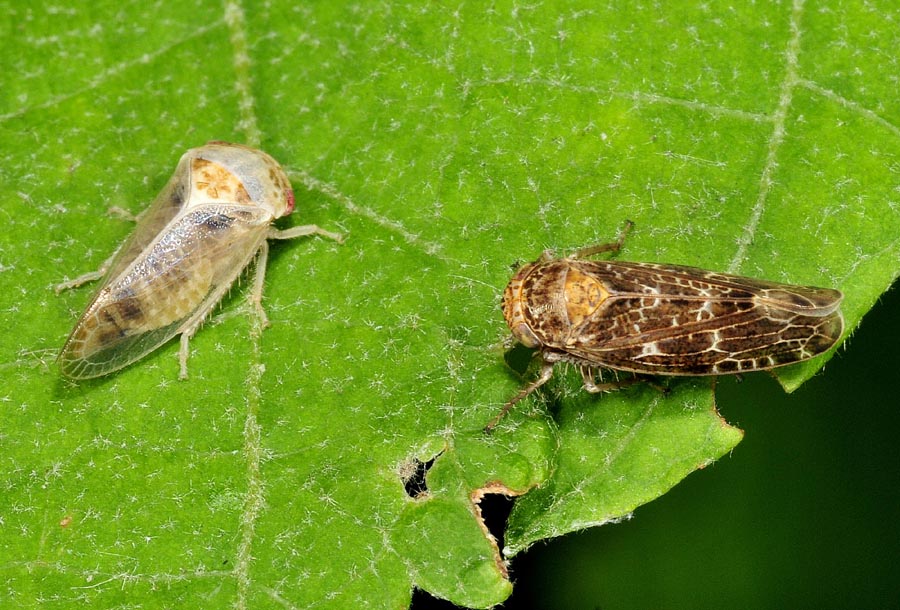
(804, 513)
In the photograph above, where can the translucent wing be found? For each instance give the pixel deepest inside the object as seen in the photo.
(167, 205)
(147, 297)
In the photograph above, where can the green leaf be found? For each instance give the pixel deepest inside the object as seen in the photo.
(448, 142)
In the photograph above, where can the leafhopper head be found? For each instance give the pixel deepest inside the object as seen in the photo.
(513, 311)
(238, 174)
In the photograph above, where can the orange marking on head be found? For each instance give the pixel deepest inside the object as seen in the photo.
(217, 182)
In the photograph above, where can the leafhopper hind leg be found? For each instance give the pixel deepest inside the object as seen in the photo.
(589, 375)
(93, 276)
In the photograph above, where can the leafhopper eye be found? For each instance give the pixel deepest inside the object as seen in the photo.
(289, 196)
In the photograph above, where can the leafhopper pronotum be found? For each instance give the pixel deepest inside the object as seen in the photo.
(188, 248)
(655, 319)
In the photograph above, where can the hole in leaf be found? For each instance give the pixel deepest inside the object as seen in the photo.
(495, 509)
(423, 600)
(412, 473)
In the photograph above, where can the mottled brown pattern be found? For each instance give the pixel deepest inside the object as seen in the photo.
(666, 319)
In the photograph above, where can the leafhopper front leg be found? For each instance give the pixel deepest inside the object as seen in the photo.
(184, 351)
(546, 374)
(262, 258)
(610, 247)
(191, 326)
(303, 230)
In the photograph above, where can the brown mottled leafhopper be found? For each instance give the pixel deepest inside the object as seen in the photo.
(656, 319)
(188, 248)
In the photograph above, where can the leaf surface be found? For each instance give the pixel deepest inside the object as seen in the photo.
(448, 143)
